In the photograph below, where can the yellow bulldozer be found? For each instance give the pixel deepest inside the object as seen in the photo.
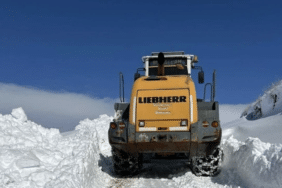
(165, 117)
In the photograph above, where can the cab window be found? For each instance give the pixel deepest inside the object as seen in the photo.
(173, 66)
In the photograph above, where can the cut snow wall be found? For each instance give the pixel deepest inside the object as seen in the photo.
(258, 164)
(34, 156)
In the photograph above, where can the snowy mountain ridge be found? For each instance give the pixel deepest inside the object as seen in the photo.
(270, 103)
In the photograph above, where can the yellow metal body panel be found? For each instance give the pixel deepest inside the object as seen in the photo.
(163, 103)
(163, 123)
(165, 110)
(167, 113)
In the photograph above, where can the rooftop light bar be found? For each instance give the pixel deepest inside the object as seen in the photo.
(168, 56)
(168, 53)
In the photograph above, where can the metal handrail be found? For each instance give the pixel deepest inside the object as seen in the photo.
(205, 90)
(212, 87)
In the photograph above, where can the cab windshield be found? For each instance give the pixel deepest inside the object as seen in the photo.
(172, 66)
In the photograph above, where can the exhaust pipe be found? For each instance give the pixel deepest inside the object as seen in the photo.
(161, 59)
(213, 85)
(121, 87)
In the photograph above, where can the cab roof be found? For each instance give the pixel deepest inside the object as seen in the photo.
(180, 54)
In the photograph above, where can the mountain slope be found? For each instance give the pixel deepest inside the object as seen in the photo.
(270, 103)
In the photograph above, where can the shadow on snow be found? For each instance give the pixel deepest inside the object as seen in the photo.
(169, 168)
(161, 168)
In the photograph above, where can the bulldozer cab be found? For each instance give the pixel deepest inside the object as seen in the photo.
(172, 66)
(175, 63)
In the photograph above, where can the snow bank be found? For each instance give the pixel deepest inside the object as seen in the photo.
(93, 175)
(251, 163)
(270, 103)
(33, 156)
(253, 145)
(258, 164)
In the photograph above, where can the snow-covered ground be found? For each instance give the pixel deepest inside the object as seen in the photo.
(34, 156)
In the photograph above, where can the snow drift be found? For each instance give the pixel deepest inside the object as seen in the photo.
(256, 163)
(253, 144)
(33, 156)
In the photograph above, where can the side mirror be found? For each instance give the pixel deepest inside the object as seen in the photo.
(136, 76)
(201, 77)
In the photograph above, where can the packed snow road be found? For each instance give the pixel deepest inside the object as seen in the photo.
(33, 156)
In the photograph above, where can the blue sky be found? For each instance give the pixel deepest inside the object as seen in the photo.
(81, 46)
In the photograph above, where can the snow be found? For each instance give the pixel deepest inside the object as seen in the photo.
(268, 129)
(230, 113)
(253, 145)
(258, 164)
(34, 156)
(270, 103)
(19, 114)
